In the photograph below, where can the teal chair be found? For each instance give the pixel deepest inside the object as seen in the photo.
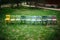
(44, 20)
(23, 18)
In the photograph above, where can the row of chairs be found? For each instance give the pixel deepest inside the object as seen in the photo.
(50, 19)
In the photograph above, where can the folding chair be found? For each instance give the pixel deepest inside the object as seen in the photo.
(33, 19)
(44, 20)
(28, 19)
(49, 19)
(13, 19)
(7, 19)
(18, 20)
(38, 20)
(23, 19)
(54, 20)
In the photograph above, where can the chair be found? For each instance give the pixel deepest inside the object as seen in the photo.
(13, 19)
(7, 19)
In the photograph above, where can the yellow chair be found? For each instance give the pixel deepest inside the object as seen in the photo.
(7, 16)
(7, 19)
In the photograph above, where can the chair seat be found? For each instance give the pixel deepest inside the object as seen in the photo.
(7, 19)
(17, 19)
(12, 19)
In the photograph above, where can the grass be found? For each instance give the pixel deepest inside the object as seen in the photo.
(29, 11)
(27, 32)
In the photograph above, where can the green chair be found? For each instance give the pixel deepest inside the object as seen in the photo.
(28, 19)
(13, 19)
(49, 19)
(18, 20)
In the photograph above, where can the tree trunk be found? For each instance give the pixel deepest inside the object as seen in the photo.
(27, 2)
(12, 5)
(30, 3)
(17, 4)
(0, 6)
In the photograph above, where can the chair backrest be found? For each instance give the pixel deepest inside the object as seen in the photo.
(7, 18)
(39, 18)
(18, 17)
(49, 18)
(44, 18)
(54, 18)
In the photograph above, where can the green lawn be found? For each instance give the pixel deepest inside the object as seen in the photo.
(27, 32)
(28, 11)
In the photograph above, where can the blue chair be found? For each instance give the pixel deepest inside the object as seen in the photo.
(33, 19)
(39, 20)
